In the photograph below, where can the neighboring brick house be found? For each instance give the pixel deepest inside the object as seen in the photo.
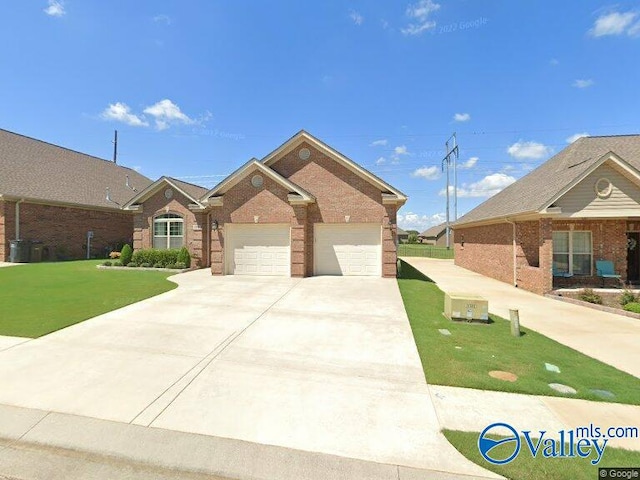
(54, 195)
(436, 235)
(303, 210)
(549, 228)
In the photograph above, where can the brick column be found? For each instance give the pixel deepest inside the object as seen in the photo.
(139, 222)
(546, 254)
(389, 249)
(217, 251)
(298, 241)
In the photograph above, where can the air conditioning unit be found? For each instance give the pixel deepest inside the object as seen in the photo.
(465, 306)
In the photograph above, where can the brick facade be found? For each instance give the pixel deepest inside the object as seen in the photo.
(489, 250)
(341, 197)
(195, 227)
(63, 230)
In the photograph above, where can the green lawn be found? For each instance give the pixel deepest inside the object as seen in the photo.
(492, 347)
(527, 467)
(421, 250)
(40, 298)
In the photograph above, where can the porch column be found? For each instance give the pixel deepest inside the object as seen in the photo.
(546, 253)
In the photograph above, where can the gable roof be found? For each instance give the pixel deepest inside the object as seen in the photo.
(40, 171)
(303, 136)
(400, 231)
(434, 231)
(189, 190)
(250, 166)
(541, 186)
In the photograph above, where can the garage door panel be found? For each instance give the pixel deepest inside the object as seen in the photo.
(348, 249)
(259, 250)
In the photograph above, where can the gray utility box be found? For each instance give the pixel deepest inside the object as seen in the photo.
(466, 306)
(36, 252)
(19, 251)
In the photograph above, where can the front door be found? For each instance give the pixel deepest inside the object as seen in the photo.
(633, 256)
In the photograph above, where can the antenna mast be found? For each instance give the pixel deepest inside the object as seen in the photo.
(115, 146)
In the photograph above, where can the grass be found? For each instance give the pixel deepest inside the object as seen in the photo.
(527, 467)
(40, 298)
(492, 347)
(421, 250)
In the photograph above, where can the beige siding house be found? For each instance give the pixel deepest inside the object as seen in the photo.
(554, 226)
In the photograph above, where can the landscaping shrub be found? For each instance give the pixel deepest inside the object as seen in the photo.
(158, 265)
(632, 307)
(145, 265)
(107, 263)
(132, 264)
(184, 257)
(627, 297)
(588, 295)
(126, 254)
(117, 264)
(180, 265)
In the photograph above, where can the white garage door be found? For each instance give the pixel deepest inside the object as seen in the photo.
(258, 250)
(347, 249)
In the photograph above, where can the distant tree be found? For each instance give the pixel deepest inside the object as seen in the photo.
(412, 231)
(413, 237)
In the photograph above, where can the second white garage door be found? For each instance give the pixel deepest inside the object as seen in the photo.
(347, 249)
(258, 249)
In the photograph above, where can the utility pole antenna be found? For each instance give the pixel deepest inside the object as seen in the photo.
(452, 155)
(115, 146)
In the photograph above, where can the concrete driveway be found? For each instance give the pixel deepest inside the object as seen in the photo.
(323, 364)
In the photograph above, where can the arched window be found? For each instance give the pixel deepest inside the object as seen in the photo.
(168, 231)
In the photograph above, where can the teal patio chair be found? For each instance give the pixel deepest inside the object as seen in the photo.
(604, 269)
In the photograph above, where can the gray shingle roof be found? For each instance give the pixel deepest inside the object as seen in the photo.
(540, 186)
(195, 191)
(400, 231)
(34, 169)
(434, 231)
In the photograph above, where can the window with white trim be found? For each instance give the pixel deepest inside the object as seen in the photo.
(168, 231)
(572, 252)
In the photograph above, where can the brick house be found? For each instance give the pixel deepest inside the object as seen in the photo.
(304, 209)
(436, 235)
(548, 229)
(55, 196)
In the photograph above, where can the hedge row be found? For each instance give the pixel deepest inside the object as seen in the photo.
(161, 258)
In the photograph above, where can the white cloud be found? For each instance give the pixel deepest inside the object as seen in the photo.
(523, 150)
(137, 168)
(356, 17)
(381, 161)
(469, 163)
(634, 31)
(487, 187)
(401, 150)
(419, 14)
(462, 117)
(120, 112)
(165, 112)
(419, 222)
(576, 136)
(162, 18)
(55, 8)
(398, 152)
(583, 83)
(614, 23)
(428, 173)
(554, 61)
(379, 143)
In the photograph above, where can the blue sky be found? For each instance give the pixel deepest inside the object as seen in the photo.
(196, 88)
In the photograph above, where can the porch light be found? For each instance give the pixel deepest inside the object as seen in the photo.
(214, 225)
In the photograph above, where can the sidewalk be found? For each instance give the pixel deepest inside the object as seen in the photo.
(472, 410)
(608, 337)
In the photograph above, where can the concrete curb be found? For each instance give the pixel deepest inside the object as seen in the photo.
(146, 269)
(594, 306)
(88, 443)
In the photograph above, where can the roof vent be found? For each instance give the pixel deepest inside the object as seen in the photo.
(304, 154)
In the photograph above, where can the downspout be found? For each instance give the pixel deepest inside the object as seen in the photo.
(18, 218)
(515, 272)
